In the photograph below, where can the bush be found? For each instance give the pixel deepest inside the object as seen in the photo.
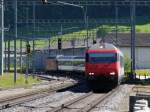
(127, 64)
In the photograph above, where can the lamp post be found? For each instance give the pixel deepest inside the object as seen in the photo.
(15, 38)
(84, 9)
(2, 37)
(133, 36)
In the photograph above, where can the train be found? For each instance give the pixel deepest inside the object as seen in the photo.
(102, 64)
(69, 64)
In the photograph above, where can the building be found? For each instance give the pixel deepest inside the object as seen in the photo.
(142, 47)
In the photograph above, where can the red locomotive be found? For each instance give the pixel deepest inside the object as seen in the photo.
(104, 65)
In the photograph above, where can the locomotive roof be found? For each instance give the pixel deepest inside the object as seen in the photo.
(103, 46)
(70, 57)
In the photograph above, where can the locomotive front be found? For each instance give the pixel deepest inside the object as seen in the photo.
(103, 64)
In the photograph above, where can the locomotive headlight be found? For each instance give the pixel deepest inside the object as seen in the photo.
(112, 73)
(101, 47)
(91, 73)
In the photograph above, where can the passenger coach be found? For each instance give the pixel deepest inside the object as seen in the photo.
(71, 63)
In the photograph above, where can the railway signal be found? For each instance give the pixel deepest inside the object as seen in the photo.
(44, 1)
(94, 41)
(59, 43)
(28, 48)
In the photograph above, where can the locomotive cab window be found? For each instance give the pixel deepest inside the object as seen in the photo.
(87, 57)
(102, 57)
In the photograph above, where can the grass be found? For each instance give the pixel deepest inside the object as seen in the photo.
(143, 72)
(38, 43)
(142, 26)
(7, 81)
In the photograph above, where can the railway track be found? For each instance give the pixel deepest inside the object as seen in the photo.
(84, 103)
(141, 89)
(54, 100)
(44, 102)
(32, 95)
(71, 100)
(140, 99)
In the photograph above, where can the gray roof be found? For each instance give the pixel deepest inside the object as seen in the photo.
(124, 39)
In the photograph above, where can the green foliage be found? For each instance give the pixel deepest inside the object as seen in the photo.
(143, 72)
(97, 30)
(6, 81)
(127, 64)
(101, 33)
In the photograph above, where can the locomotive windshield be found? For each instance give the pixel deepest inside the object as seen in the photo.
(101, 57)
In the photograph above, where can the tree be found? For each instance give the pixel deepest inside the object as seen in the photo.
(127, 64)
(101, 33)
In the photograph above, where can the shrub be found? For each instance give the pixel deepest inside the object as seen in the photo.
(127, 64)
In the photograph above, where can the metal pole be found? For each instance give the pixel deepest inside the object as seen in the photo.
(8, 56)
(2, 38)
(33, 47)
(33, 55)
(5, 56)
(27, 21)
(133, 38)
(27, 43)
(16, 32)
(61, 29)
(20, 55)
(86, 23)
(28, 58)
(116, 18)
(49, 46)
(94, 41)
(73, 46)
(87, 31)
(27, 64)
(61, 33)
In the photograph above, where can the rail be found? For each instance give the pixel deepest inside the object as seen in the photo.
(88, 107)
(31, 95)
